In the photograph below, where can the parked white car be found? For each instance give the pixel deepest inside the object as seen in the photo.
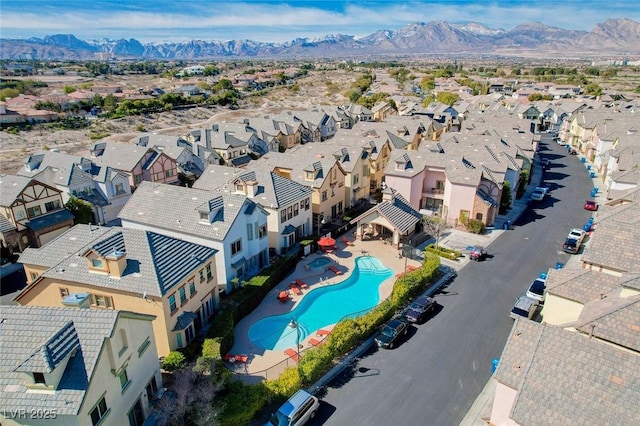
(539, 193)
(577, 234)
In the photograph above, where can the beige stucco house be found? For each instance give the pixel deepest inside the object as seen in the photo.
(127, 269)
(71, 366)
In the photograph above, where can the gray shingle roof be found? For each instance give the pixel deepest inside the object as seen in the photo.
(11, 187)
(5, 224)
(177, 209)
(398, 212)
(122, 156)
(155, 262)
(35, 338)
(614, 319)
(580, 285)
(563, 378)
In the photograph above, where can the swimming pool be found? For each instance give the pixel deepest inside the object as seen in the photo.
(323, 306)
(319, 262)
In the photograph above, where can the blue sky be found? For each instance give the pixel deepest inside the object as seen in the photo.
(261, 20)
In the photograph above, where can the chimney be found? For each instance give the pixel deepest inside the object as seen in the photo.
(252, 188)
(116, 263)
(77, 300)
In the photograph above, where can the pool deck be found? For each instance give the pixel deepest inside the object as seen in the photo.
(269, 363)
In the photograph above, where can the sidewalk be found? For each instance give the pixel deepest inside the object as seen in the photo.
(480, 411)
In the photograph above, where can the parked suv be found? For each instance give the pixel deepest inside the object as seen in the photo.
(525, 307)
(298, 409)
(420, 309)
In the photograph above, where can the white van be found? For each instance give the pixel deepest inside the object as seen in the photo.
(298, 409)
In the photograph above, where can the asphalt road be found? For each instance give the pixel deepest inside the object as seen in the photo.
(433, 376)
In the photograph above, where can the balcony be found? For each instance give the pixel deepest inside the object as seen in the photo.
(433, 193)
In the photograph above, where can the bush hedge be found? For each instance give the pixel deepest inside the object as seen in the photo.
(475, 226)
(443, 251)
(345, 336)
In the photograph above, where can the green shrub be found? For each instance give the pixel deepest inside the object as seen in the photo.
(443, 251)
(475, 226)
(240, 403)
(174, 361)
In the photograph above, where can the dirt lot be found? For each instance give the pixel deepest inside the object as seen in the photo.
(318, 88)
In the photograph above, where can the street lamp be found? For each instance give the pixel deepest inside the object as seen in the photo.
(294, 324)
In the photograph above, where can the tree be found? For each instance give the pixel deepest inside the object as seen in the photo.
(447, 98)
(435, 226)
(505, 198)
(82, 211)
(593, 89)
(174, 361)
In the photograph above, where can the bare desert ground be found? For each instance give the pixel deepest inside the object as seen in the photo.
(318, 88)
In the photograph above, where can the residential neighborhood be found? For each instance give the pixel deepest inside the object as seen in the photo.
(182, 226)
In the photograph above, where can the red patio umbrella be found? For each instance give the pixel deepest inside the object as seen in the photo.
(326, 242)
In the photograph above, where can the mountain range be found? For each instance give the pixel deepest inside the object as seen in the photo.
(612, 37)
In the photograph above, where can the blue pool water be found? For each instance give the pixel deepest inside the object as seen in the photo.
(323, 306)
(319, 262)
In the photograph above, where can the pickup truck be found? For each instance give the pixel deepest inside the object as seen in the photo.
(577, 234)
(539, 193)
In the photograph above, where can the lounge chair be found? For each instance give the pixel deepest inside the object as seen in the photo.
(236, 358)
(322, 332)
(335, 270)
(346, 242)
(291, 353)
(315, 342)
(301, 283)
(295, 289)
(283, 296)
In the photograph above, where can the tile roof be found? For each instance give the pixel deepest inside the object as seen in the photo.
(5, 224)
(580, 285)
(614, 319)
(50, 219)
(37, 338)
(398, 212)
(610, 248)
(155, 262)
(177, 209)
(11, 187)
(563, 377)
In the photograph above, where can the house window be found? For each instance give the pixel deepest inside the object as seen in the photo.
(39, 378)
(52, 205)
(119, 188)
(307, 204)
(102, 301)
(192, 288)
(204, 217)
(400, 166)
(143, 347)
(189, 334)
(99, 412)
(179, 340)
(283, 216)
(172, 303)
(236, 247)
(308, 176)
(365, 171)
(137, 179)
(34, 211)
(34, 276)
(96, 263)
(324, 195)
(356, 179)
(183, 295)
(64, 292)
(169, 173)
(340, 207)
(209, 274)
(262, 231)
(295, 210)
(201, 272)
(124, 379)
(290, 212)
(19, 215)
(239, 188)
(249, 231)
(440, 185)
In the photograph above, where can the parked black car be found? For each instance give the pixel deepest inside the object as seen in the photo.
(571, 245)
(391, 332)
(420, 309)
